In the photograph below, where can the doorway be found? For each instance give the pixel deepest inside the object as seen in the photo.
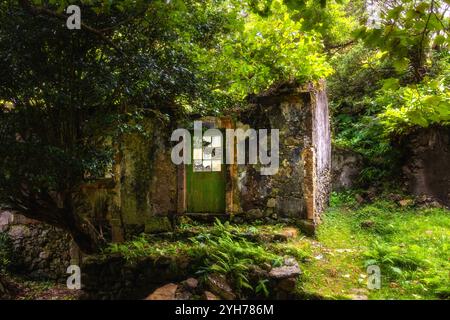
(206, 176)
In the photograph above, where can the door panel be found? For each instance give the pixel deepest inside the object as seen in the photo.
(206, 177)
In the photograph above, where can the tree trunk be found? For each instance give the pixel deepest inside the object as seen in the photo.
(65, 217)
(86, 239)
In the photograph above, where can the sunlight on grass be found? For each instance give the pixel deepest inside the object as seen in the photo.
(410, 245)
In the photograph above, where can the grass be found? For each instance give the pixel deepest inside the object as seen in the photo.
(410, 245)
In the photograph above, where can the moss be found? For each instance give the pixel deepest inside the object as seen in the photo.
(158, 225)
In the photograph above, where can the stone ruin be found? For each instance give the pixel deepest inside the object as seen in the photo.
(146, 192)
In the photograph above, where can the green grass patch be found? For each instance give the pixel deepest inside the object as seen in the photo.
(410, 245)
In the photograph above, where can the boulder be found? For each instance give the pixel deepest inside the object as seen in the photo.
(289, 269)
(219, 286)
(166, 292)
(207, 295)
(191, 283)
(255, 214)
(271, 203)
(287, 284)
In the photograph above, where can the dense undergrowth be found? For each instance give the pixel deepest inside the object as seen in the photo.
(409, 244)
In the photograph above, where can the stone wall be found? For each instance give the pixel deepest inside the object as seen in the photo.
(426, 163)
(300, 188)
(147, 189)
(114, 277)
(39, 251)
(346, 167)
(141, 195)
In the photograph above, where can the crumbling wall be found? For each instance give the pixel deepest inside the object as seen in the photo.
(301, 187)
(141, 194)
(426, 163)
(147, 188)
(346, 168)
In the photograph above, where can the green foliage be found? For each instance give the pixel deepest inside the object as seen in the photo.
(346, 198)
(422, 104)
(407, 31)
(219, 249)
(393, 79)
(262, 50)
(225, 253)
(410, 245)
(142, 246)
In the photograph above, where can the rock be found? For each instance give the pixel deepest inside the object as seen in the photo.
(286, 234)
(394, 197)
(306, 226)
(255, 214)
(219, 285)
(287, 284)
(158, 225)
(257, 272)
(406, 202)
(207, 295)
(19, 231)
(358, 294)
(5, 219)
(290, 261)
(271, 203)
(166, 292)
(183, 294)
(191, 283)
(285, 271)
(44, 255)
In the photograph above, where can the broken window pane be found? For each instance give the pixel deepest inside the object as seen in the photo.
(206, 165)
(207, 140)
(217, 154)
(198, 154)
(198, 165)
(216, 165)
(217, 141)
(207, 153)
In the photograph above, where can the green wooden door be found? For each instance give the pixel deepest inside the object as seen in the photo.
(205, 177)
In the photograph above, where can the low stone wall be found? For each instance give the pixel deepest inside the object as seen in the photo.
(114, 277)
(39, 250)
